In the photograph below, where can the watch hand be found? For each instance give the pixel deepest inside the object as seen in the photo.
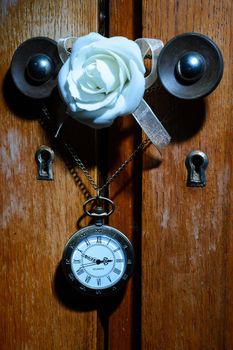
(88, 264)
(105, 261)
(89, 258)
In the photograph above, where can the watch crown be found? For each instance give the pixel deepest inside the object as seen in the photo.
(99, 210)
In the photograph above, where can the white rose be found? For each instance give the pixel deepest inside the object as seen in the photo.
(102, 79)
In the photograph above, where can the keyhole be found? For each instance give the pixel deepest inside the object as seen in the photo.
(44, 158)
(196, 164)
(197, 161)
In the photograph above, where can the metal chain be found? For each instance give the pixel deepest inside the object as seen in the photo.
(80, 164)
(111, 178)
(139, 148)
(72, 152)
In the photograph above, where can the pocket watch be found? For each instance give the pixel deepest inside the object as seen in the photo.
(98, 259)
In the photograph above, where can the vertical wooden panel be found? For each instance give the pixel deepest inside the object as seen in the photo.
(124, 135)
(187, 245)
(37, 218)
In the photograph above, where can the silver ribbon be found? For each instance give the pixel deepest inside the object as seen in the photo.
(152, 127)
(64, 46)
(154, 46)
(143, 114)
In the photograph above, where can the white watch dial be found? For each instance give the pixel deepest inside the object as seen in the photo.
(98, 262)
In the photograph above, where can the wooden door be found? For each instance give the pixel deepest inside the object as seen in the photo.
(180, 295)
(37, 217)
(187, 302)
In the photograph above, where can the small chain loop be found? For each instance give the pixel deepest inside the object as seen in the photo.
(96, 201)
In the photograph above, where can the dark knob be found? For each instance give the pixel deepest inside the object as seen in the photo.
(190, 67)
(34, 67)
(40, 68)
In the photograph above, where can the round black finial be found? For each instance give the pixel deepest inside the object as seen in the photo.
(40, 68)
(35, 66)
(190, 67)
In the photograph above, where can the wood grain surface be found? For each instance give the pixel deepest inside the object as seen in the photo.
(187, 232)
(37, 217)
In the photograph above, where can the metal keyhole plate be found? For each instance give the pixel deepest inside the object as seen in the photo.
(196, 164)
(44, 158)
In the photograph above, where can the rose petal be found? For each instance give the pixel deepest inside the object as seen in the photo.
(62, 81)
(82, 42)
(134, 91)
(124, 47)
(124, 73)
(93, 106)
(109, 72)
(89, 88)
(84, 96)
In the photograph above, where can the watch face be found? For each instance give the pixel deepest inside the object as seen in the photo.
(98, 260)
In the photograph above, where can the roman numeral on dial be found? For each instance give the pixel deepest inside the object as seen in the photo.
(99, 239)
(77, 261)
(87, 242)
(80, 271)
(109, 278)
(115, 250)
(88, 278)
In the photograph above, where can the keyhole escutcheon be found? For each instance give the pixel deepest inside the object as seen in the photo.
(44, 158)
(196, 164)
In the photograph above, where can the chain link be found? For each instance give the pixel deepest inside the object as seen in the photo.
(72, 152)
(80, 164)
